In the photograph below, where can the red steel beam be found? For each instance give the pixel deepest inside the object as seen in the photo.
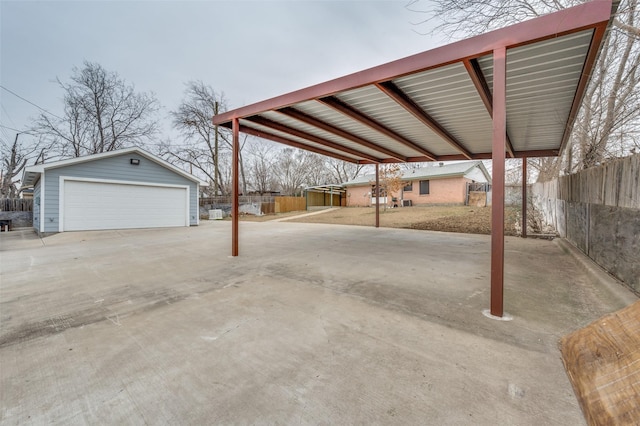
(394, 92)
(356, 115)
(289, 142)
(566, 21)
(485, 156)
(497, 197)
(304, 135)
(312, 121)
(592, 55)
(475, 72)
(524, 197)
(235, 206)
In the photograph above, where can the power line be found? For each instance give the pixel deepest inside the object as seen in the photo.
(29, 102)
(26, 132)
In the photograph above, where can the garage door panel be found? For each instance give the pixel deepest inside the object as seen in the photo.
(97, 205)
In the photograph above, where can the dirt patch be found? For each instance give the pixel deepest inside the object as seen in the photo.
(465, 219)
(475, 221)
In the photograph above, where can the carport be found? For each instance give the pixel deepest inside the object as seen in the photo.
(513, 92)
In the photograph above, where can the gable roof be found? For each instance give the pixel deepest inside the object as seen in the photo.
(433, 172)
(32, 173)
(438, 105)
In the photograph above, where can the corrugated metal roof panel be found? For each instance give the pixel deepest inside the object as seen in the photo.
(298, 125)
(294, 138)
(375, 104)
(343, 122)
(448, 95)
(541, 84)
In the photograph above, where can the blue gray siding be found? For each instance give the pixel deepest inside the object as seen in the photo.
(113, 168)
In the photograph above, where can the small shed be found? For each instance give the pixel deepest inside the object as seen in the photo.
(127, 188)
(319, 197)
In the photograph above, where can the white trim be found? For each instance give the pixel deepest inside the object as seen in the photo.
(40, 168)
(42, 200)
(63, 179)
(197, 205)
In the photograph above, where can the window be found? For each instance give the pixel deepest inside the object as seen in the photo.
(424, 187)
(383, 192)
(408, 187)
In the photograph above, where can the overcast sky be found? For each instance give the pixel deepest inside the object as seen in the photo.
(250, 50)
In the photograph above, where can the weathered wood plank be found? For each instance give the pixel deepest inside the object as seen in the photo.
(602, 361)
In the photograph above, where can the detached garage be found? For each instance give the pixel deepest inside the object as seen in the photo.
(128, 188)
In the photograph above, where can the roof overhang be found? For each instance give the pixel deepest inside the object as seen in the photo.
(437, 105)
(331, 188)
(32, 174)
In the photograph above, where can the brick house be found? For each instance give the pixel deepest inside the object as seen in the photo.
(437, 184)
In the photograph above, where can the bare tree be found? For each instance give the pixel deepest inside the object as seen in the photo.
(341, 171)
(15, 158)
(205, 142)
(317, 170)
(611, 107)
(292, 170)
(261, 157)
(390, 179)
(101, 113)
(608, 122)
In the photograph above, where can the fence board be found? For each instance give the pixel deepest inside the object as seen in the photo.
(248, 199)
(16, 204)
(289, 204)
(614, 184)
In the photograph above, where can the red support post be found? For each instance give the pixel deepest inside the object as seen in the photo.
(235, 206)
(524, 197)
(377, 193)
(497, 198)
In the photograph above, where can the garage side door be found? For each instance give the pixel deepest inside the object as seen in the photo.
(94, 206)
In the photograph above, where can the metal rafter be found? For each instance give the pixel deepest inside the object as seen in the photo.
(305, 118)
(354, 114)
(475, 73)
(401, 98)
(299, 133)
(292, 143)
(592, 55)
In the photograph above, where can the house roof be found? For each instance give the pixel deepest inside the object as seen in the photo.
(438, 105)
(433, 172)
(32, 173)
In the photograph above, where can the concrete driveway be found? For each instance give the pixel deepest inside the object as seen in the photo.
(312, 324)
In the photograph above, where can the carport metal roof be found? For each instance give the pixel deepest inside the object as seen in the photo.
(437, 105)
(511, 92)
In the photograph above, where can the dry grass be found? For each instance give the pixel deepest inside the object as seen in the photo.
(472, 220)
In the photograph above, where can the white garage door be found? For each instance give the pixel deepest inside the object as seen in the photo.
(94, 205)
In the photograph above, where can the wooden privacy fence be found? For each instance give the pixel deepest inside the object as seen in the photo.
(598, 211)
(16, 205)
(615, 184)
(269, 204)
(289, 204)
(243, 199)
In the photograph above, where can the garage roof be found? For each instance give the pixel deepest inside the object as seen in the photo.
(437, 105)
(32, 173)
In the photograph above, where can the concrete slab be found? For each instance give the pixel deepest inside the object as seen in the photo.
(312, 324)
